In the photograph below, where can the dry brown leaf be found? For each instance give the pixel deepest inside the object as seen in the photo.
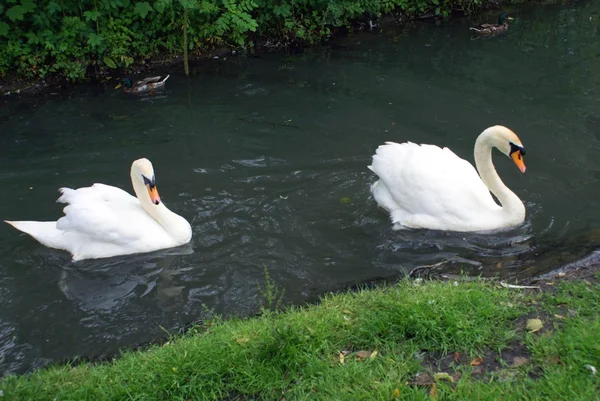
(423, 379)
(363, 354)
(476, 361)
(346, 311)
(341, 358)
(396, 393)
(433, 393)
(556, 315)
(443, 376)
(373, 354)
(456, 357)
(241, 340)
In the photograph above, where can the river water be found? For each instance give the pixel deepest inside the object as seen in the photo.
(266, 157)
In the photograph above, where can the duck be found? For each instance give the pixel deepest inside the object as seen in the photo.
(493, 29)
(103, 221)
(428, 187)
(144, 85)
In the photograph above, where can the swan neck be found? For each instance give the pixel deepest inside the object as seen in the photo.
(510, 202)
(175, 225)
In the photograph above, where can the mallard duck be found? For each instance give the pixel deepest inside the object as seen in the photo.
(493, 29)
(144, 85)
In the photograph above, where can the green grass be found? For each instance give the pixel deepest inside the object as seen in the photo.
(296, 354)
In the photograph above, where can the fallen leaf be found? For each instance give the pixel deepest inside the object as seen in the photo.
(423, 379)
(519, 361)
(556, 315)
(346, 311)
(363, 354)
(433, 392)
(346, 200)
(443, 376)
(476, 361)
(242, 340)
(373, 354)
(534, 325)
(591, 368)
(396, 393)
(341, 358)
(456, 357)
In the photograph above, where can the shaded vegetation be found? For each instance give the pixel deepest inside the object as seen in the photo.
(72, 38)
(369, 345)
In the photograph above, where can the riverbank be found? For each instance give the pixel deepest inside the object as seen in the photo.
(53, 45)
(417, 339)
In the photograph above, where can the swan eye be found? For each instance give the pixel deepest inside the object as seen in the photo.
(516, 148)
(150, 183)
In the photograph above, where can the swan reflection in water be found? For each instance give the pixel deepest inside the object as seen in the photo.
(105, 285)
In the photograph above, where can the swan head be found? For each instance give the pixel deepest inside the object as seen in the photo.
(508, 143)
(143, 172)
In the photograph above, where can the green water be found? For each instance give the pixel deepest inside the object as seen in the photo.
(266, 157)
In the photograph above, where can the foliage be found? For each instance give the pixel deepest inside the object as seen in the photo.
(66, 37)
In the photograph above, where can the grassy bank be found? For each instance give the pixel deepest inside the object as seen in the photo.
(411, 341)
(77, 39)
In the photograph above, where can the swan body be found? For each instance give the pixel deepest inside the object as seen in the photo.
(102, 221)
(425, 186)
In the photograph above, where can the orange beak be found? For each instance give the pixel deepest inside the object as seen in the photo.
(153, 192)
(518, 159)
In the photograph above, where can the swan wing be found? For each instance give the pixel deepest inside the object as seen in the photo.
(104, 214)
(431, 181)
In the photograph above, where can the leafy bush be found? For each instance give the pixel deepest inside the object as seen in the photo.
(65, 37)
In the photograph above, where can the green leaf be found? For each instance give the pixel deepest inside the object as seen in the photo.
(3, 29)
(33, 38)
(189, 4)
(110, 62)
(53, 7)
(91, 15)
(28, 5)
(161, 5)
(142, 8)
(94, 39)
(16, 12)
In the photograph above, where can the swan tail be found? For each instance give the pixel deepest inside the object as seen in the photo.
(45, 232)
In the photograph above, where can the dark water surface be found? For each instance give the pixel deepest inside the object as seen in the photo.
(266, 157)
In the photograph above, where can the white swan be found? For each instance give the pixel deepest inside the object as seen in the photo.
(424, 186)
(103, 221)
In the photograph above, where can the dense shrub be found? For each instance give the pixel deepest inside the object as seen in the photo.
(38, 37)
